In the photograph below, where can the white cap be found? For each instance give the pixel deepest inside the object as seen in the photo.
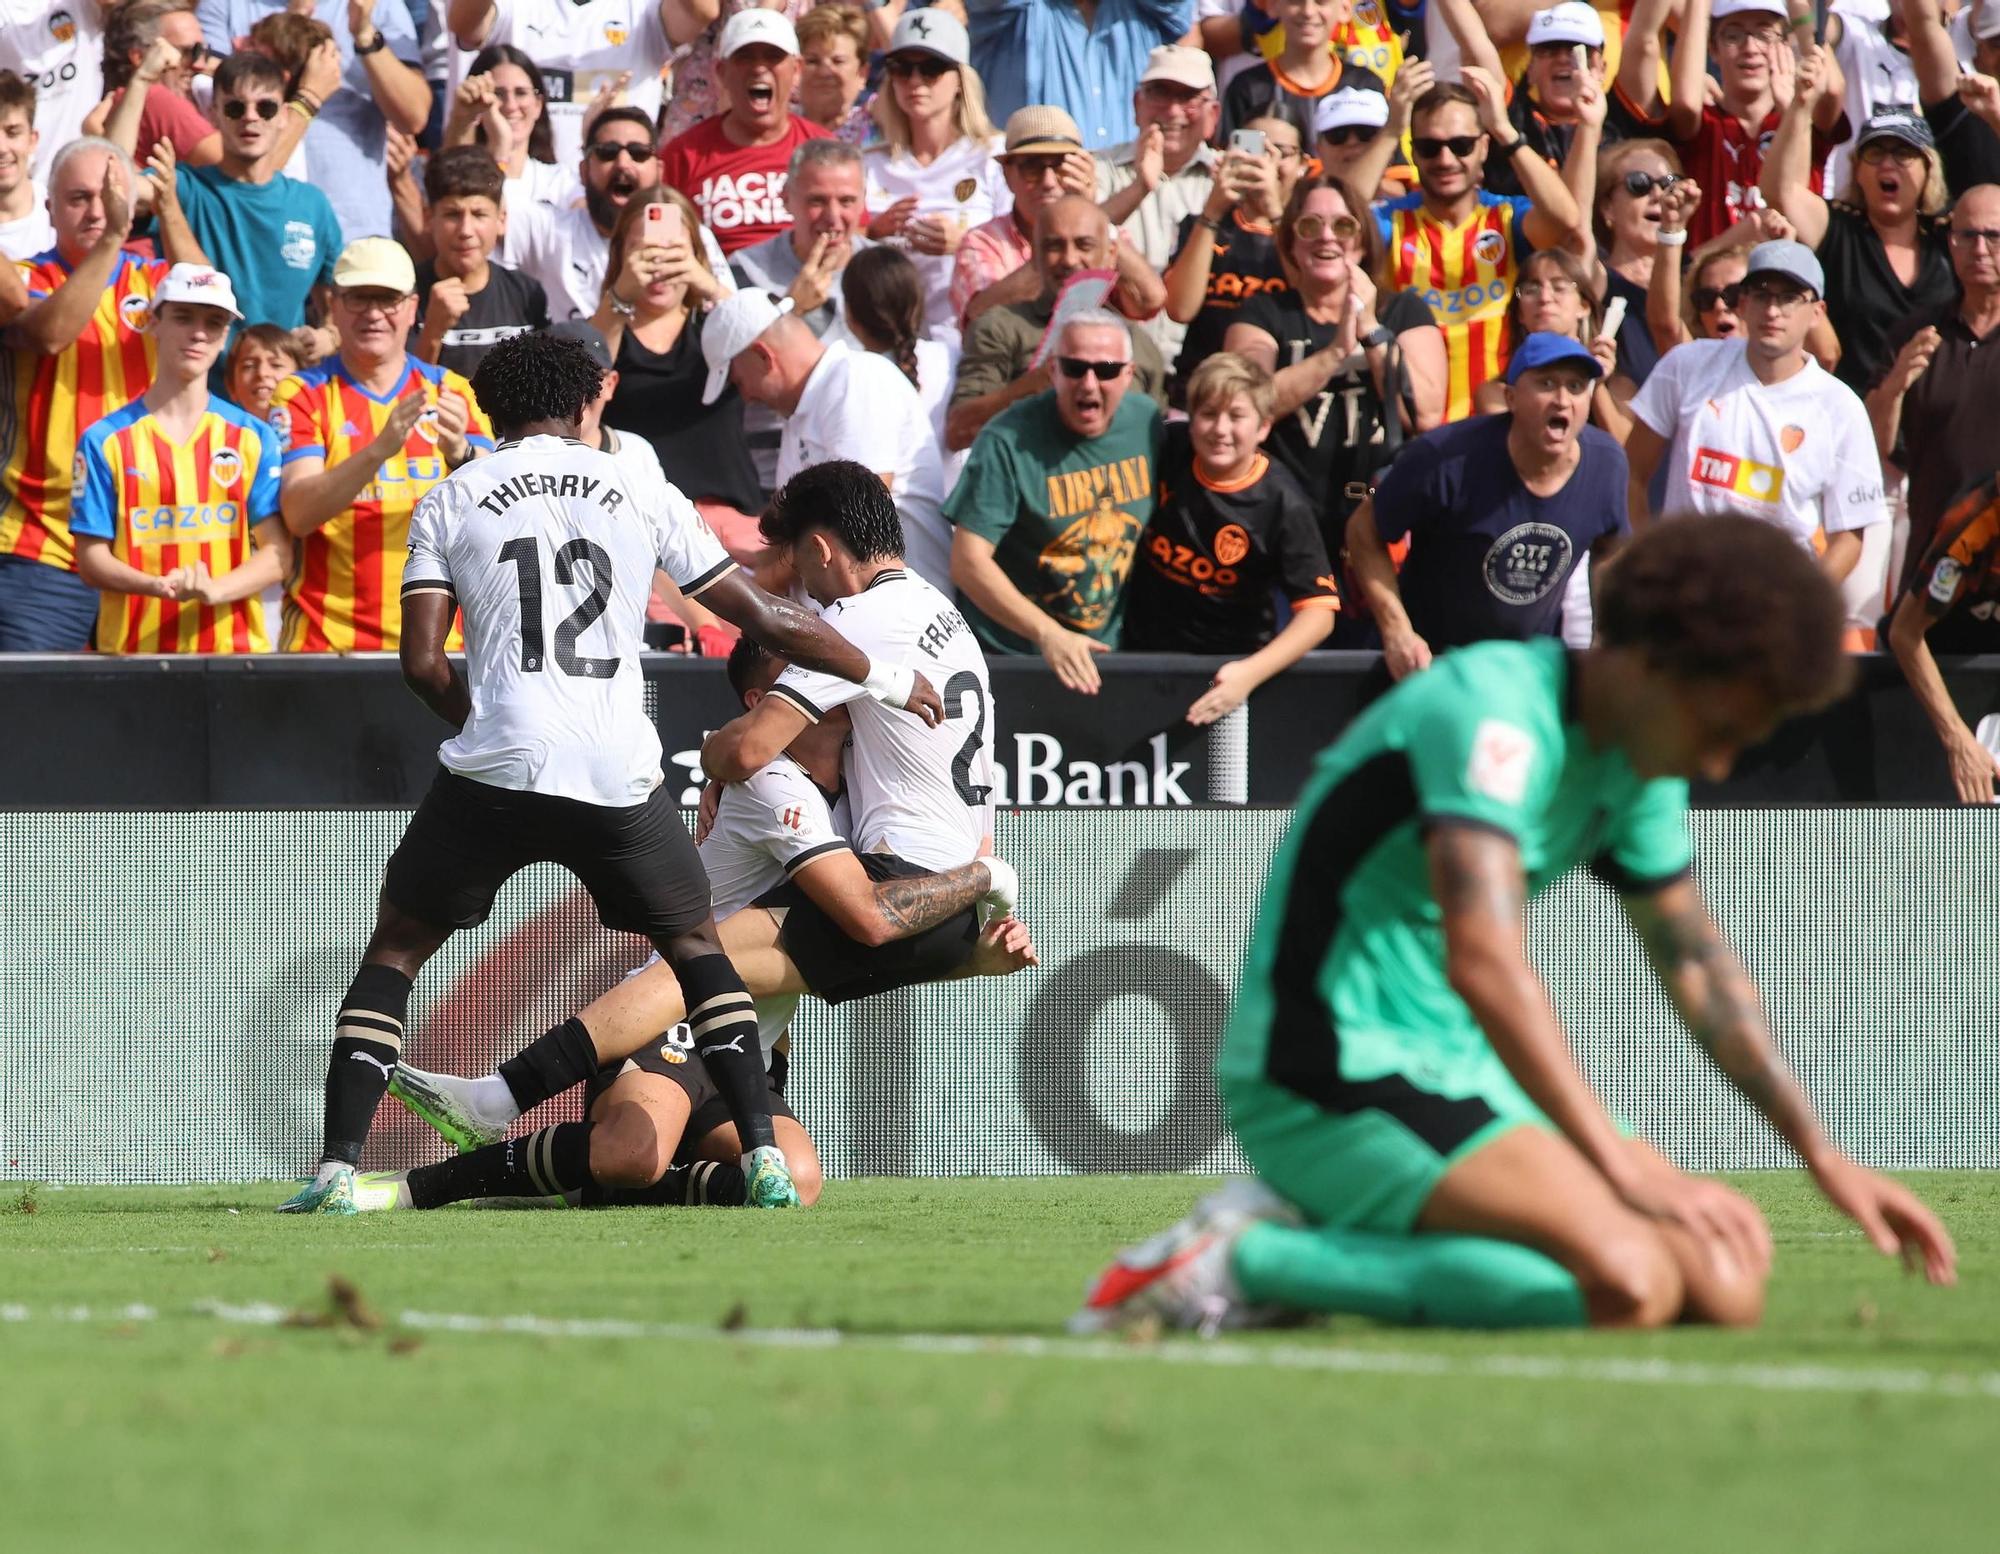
(1726, 8)
(1985, 21)
(1349, 106)
(935, 31)
(731, 327)
(1571, 21)
(757, 26)
(1191, 68)
(199, 284)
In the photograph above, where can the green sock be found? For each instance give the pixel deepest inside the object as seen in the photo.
(1415, 1280)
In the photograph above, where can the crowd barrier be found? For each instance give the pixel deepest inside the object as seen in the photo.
(187, 901)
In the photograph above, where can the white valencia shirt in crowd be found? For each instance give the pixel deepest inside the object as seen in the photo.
(59, 50)
(549, 549)
(581, 45)
(922, 793)
(1800, 453)
(859, 406)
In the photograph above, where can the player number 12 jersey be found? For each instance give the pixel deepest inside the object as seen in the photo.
(549, 549)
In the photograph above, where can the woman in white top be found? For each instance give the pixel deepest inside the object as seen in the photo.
(882, 310)
(935, 174)
(503, 105)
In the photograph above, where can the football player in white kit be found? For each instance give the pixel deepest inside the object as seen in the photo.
(921, 811)
(556, 760)
(662, 1134)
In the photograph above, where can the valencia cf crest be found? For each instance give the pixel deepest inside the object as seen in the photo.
(1232, 544)
(225, 468)
(134, 311)
(1490, 247)
(427, 425)
(964, 189)
(615, 34)
(63, 26)
(671, 1053)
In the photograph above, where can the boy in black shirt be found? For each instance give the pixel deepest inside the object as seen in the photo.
(1229, 532)
(469, 304)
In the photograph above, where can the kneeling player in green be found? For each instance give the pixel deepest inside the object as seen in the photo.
(1426, 1147)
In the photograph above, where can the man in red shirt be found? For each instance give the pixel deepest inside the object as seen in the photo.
(733, 165)
(1722, 143)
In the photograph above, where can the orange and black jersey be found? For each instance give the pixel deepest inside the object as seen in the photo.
(1551, 141)
(1213, 558)
(1266, 92)
(1245, 265)
(1958, 581)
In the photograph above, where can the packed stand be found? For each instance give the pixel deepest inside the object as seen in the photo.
(1240, 327)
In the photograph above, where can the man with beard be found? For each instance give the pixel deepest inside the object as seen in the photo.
(733, 166)
(1049, 508)
(1499, 510)
(567, 250)
(1071, 235)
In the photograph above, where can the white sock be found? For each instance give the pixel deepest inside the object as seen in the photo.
(490, 1099)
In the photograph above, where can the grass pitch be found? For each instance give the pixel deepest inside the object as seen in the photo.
(882, 1373)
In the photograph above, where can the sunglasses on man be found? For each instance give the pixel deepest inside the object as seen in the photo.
(605, 152)
(264, 108)
(1431, 147)
(1104, 372)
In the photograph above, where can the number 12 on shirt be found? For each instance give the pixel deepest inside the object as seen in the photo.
(524, 554)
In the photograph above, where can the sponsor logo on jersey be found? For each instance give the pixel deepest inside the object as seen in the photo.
(793, 815)
(281, 422)
(1944, 579)
(1743, 477)
(183, 524)
(225, 468)
(133, 310)
(1502, 756)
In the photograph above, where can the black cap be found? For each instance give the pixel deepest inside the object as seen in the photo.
(588, 335)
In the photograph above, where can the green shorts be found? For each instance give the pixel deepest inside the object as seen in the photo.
(1370, 1157)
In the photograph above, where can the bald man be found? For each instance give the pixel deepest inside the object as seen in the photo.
(1071, 235)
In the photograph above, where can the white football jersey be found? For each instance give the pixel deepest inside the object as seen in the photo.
(922, 793)
(549, 548)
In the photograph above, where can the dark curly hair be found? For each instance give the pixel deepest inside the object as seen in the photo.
(536, 377)
(752, 667)
(1728, 598)
(846, 499)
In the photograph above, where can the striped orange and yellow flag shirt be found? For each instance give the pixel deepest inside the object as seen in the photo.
(1466, 273)
(345, 593)
(49, 402)
(164, 505)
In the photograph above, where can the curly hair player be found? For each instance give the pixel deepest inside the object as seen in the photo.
(1427, 1150)
(549, 550)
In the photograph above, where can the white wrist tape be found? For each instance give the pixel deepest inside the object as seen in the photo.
(890, 684)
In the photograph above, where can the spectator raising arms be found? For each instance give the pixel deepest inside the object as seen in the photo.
(933, 178)
(24, 213)
(381, 84)
(1086, 62)
(365, 434)
(1962, 109)
(469, 304)
(176, 518)
(652, 318)
(1499, 510)
(1633, 179)
(591, 46)
(833, 72)
(1231, 531)
(1051, 505)
(1306, 69)
(1752, 425)
(77, 354)
(733, 166)
(503, 105)
(153, 50)
(273, 236)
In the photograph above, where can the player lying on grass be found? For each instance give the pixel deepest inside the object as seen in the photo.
(1426, 1147)
(842, 927)
(548, 549)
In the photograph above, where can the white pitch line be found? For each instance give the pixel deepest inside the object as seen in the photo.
(1611, 1370)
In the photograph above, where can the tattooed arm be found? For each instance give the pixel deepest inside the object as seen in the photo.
(1715, 997)
(875, 912)
(1477, 880)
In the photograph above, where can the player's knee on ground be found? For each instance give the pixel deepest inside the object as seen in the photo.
(806, 1179)
(1631, 1280)
(627, 1148)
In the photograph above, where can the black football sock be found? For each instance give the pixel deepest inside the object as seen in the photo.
(543, 1164)
(558, 1058)
(367, 1040)
(706, 1182)
(724, 1022)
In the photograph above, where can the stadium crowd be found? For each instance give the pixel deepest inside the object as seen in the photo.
(1235, 327)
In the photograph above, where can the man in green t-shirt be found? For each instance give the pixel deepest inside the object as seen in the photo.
(1428, 1150)
(1048, 510)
